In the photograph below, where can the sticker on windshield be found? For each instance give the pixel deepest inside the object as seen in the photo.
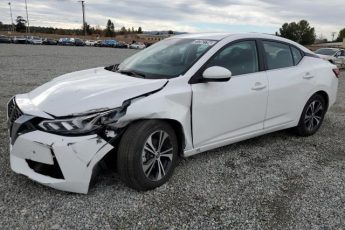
(204, 42)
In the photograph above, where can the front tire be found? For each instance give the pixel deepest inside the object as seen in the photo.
(147, 154)
(312, 116)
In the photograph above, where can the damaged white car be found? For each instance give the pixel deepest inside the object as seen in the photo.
(182, 96)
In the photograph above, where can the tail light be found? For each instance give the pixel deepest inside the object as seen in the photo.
(336, 72)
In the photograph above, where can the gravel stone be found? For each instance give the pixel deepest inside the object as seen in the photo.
(276, 181)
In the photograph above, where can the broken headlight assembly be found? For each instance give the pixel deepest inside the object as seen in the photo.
(81, 124)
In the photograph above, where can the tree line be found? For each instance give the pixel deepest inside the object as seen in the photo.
(303, 33)
(109, 31)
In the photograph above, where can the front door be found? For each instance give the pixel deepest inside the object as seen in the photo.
(224, 110)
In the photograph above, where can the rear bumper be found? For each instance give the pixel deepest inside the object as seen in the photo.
(75, 157)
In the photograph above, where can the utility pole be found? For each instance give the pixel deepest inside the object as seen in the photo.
(333, 35)
(83, 9)
(12, 25)
(27, 18)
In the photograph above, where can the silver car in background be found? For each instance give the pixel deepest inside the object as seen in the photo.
(35, 40)
(333, 55)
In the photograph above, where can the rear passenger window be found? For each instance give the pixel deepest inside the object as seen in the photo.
(278, 55)
(297, 55)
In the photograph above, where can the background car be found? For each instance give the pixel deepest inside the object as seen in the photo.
(90, 42)
(121, 45)
(333, 55)
(79, 42)
(66, 42)
(20, 40)
(137, 46)
(98, 43)
(108, 43)
(4, 39)
(49, 41)
(35, 40)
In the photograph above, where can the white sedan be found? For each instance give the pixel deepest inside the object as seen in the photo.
(182, 96)
(90, 43)
(137, 46)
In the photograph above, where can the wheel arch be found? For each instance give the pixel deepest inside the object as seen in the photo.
(176, 125)
(325, 96)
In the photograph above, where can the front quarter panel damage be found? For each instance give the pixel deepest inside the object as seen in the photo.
(171, 103)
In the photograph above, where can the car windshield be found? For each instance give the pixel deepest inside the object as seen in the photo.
(329, 52)
(166, 59)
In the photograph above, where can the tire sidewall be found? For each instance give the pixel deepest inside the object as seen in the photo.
(302, 124)
(136, 155)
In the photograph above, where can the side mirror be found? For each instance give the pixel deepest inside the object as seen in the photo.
(216, 74)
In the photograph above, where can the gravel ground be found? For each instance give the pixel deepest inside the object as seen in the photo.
(277, 181)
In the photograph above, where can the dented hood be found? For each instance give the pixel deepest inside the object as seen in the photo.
(89, 90)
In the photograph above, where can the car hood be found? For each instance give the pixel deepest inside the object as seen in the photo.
(89, 90)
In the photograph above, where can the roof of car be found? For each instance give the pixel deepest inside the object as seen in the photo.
(221, 36)
(236, 36)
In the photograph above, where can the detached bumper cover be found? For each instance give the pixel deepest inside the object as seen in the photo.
(74, 156)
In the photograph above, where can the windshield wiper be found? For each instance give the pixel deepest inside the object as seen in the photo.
(113, 68)
(132, 73)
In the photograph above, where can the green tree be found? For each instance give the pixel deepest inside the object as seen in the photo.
(20, 26)
(300, 32)
(110, 29)
(140, 30)
(123, 30)
(170, 32)
(341, 35)
(88, 28)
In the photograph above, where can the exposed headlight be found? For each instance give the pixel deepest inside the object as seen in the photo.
(82, 124)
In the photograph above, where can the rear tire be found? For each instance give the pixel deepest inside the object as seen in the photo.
(147, 154)
(312, 116)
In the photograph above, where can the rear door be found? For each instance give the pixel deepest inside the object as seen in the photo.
(289, 79)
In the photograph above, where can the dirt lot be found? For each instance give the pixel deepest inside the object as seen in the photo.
(277, 181)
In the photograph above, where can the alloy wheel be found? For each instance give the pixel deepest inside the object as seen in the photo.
(313, 115)
(157, 155)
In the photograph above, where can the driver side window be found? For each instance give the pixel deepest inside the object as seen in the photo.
(240, 58)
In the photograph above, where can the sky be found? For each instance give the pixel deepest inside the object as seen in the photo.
(264, 16)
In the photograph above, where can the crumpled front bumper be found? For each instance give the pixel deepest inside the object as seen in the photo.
(75, 157)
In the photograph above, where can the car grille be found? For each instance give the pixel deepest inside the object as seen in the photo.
(13, 112)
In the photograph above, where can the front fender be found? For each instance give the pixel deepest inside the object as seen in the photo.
(173, 102)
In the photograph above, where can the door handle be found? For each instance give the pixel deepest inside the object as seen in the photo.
(308, 76)
(258, 86)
